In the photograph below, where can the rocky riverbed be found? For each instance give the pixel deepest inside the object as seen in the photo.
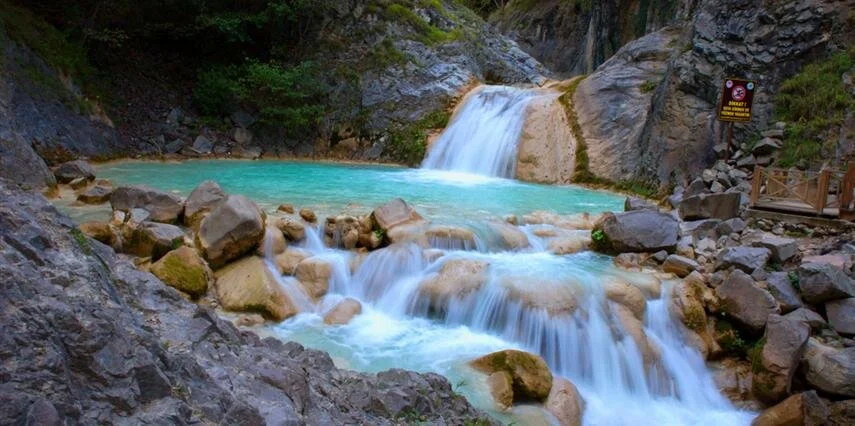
(769, 311)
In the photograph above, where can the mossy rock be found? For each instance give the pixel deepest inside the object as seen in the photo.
(532, 379)
(185, 270)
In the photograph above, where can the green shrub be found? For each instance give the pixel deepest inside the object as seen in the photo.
(814, 103)
(289, 97)
(407, 143)
(648, 86)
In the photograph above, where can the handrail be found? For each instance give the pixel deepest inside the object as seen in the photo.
(816, 191)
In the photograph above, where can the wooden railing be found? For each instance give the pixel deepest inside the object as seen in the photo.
(826, 192)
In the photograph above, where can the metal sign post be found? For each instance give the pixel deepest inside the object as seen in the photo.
(735, 107)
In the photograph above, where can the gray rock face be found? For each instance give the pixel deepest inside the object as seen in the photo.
(671, 134)
(743, 300)
(746, 259)
(830, 369)
(782, 289)
(639, 231)
(721, 206)
(731, 226)
(610, 103)
(162, 206)
(17, 155)
(68, 171)
(820, 283)
(841, 315)
(232, 229)
(118, 346)
(785, 341)
(203, 198)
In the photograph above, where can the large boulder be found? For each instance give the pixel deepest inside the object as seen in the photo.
(394, 213)
(721, 206)
(151, 239)
(783, 291)
(555, 296)
(230, 230)
(292, 228)
(626, 294)
(830, 369)
(803, 409)
(314, 275)
(636, 231)
(100, 231)
(67, 172)
(456, 278)
(687, 305)
(162, 206)
(343, 312)
(501, 386)
(820, 283)
(804, 315)
(782, 348)
(635, 203)
(202, 200)
(747, 259)
(248, 286)
(532, 379)
(185, 270)
(565, 403)
(446, 237)
(841, 315)
(745, 301)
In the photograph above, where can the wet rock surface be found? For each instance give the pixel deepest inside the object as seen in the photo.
(91, 339)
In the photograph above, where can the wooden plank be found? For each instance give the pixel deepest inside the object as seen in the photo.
(822, 188)
(756, 184)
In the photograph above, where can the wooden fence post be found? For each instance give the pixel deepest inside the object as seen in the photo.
(822, 187)
(756, 183)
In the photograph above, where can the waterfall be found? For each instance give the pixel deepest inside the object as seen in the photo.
(482, 137)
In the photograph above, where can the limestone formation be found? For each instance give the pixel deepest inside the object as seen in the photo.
(531, 376)
(248, 286)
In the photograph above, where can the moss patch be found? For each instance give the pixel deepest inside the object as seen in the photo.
(407, 144)
(183, 271)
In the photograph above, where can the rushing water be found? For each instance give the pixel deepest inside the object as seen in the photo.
(482, 137)
(629, 361)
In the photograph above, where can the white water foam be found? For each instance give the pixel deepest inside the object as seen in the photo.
(482, 137)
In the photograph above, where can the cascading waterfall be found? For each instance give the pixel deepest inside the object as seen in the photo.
(482, 137)
(586, 339)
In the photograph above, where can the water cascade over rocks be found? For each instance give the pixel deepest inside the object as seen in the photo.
(607, 330)
(482, 137)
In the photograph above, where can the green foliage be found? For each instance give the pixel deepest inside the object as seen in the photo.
(814, 104)
(386, 54)
(407, 143)
(729, 338)
(290, 97)
(648, 86)
(794, 279)
(600, 241)
(427, 33)
(755, 355)
(81, 240)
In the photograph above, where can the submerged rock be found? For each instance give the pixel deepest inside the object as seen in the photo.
(394, 213)
(185, 270)
(97, 194)
(565, 403)
(501, 386)
(230, 230)
(446, 237)
(288, 260)
(456, 278)
(531, 377)
(248, 286)
(314, 275)
(343, 312)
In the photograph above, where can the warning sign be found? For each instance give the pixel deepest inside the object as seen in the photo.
(736, 100)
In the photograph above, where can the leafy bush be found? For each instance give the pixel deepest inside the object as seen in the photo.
(289, 97)
(814, 103)
(407, 143)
